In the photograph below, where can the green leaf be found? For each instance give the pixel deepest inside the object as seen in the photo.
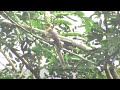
(79, 13)
(74, 57)
(36, 24)
(8, 64)
(5, 49)
(88, 26)
(13, 61)
(78, 50)
(36, 48)
(61, 21)
(17, 59)
(66, 57)
(88, 23)
(52, 59)
(10, 55)
(71, 34)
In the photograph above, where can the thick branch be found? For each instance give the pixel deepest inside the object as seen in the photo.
(107, 71)
(113, 73)
(62, 38)
(65, 39)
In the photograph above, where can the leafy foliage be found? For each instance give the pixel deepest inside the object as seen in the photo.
(27, 48)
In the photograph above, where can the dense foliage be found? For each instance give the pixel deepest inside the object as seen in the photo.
(90, 47)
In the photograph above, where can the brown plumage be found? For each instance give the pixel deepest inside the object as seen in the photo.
(51, 34)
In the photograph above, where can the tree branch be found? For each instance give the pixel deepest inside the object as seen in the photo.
(8, 59)
(62, 38)
(28, 66)
(6, 67)
(80, 56)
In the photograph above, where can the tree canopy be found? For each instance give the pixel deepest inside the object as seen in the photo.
(90, 47)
